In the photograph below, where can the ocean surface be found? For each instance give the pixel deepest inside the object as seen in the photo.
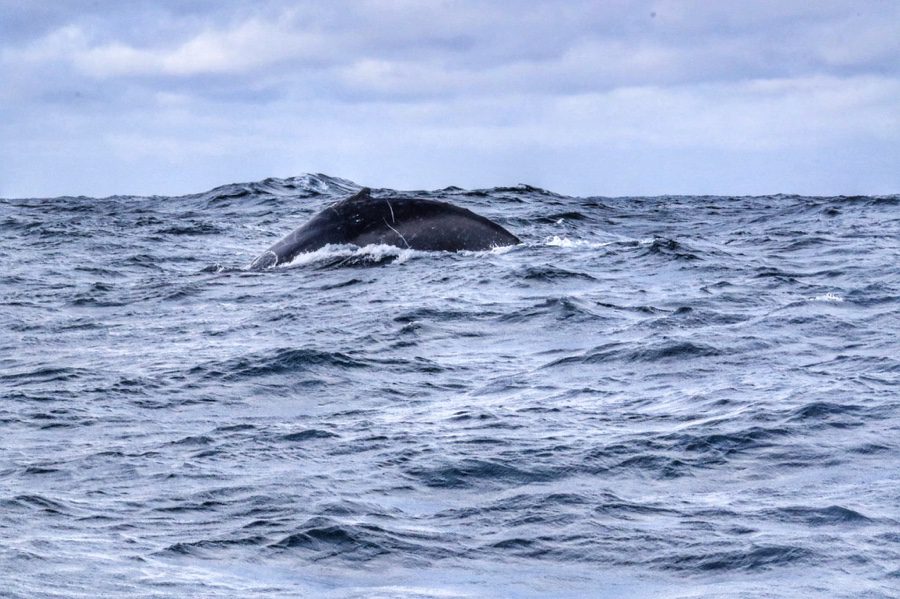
(650, 397)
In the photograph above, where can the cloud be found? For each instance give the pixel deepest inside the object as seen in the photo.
(755, 116)
(246, 47)
(474, 88)
(623, 43)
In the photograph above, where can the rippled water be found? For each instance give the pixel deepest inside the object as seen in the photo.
(667, 397)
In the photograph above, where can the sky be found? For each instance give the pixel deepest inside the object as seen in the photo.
(595, 97)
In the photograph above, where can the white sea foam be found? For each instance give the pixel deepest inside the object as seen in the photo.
(828, 297)
(368, 253)
(502, 249)
(565, 242)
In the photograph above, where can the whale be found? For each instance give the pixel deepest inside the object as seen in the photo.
(405, 222)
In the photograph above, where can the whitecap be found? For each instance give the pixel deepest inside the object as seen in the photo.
(828, 297)
(370, 253)
(565, 242)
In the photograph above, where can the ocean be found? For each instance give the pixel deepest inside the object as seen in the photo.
(650, 397)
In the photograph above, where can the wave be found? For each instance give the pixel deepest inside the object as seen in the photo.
(472, 472)
(331, 538)
(664, 351)
(565, 242)
(302, 186)
(336, 256)
(833, 515)
(281, 361)
(753, 558)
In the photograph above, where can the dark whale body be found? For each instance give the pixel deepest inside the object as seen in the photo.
(403, 222)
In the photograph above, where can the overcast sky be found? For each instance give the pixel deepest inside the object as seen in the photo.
(601, 97)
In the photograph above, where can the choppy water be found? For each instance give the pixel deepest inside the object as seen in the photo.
(667, 397)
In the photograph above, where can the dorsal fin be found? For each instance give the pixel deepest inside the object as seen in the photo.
(363, 194)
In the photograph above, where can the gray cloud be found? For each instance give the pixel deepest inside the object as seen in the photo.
(164, 97)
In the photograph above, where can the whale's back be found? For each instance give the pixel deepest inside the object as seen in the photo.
(418, 224)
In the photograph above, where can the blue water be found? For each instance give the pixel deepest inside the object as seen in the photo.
(651, 397)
